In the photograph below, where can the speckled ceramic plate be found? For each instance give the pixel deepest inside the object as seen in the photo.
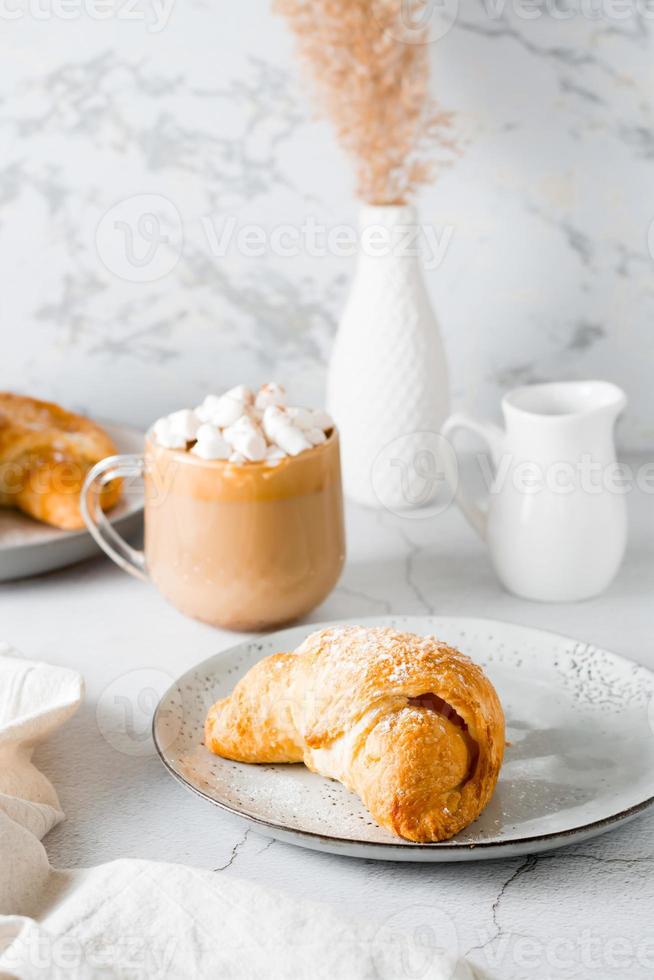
(28, 547)
(581, 759)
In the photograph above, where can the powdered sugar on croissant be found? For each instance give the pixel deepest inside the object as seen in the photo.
(412, 726)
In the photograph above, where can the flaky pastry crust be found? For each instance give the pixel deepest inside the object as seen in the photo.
(412, 726)
(45, 454)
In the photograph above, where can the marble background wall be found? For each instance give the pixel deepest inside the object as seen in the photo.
(111, 109)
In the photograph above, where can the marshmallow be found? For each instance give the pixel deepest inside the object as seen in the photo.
(270, 394)
(246, 438)
(302, 418)
(252, 445)
(315, 436)
(220, 411)
(211, 444)
(242, 427)
(166, 435)
(242, 394)
(184, 423)
(281, 431)
(272, 417)
(204, 410)
(274, 455)
(290, 439)
(322, 419)
(242, 424)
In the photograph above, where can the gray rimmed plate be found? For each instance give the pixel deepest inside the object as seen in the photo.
(581, 759)
(28, 547)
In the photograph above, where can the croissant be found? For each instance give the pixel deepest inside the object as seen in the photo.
(45, 453)
(412, 726)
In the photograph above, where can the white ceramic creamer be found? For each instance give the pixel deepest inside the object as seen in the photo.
(555, 521)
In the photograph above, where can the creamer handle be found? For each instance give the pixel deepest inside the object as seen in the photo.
(492, 435)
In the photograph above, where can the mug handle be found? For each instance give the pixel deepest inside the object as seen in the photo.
(113, 467)
(492, 435)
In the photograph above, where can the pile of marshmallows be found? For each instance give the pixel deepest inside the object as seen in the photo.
(242, 427)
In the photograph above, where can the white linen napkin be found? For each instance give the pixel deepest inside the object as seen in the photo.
(144, 919)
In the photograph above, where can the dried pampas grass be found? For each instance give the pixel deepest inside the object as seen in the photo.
(372, 79)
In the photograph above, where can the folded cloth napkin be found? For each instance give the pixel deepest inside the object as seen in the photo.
(143, 919)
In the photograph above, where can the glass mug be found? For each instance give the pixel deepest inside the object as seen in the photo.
(243, 547)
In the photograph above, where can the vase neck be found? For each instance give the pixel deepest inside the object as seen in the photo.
(387, 215)
(389, 236)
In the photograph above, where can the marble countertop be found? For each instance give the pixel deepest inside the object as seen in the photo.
(582, 912)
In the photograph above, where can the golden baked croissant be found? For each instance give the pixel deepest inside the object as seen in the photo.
(410, 724)
(45, 453)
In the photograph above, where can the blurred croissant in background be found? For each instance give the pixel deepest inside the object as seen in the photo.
(45, 454)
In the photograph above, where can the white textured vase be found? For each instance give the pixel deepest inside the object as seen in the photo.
(387, 385)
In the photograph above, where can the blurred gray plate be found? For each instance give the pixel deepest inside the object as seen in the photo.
(28, 547)
(580, 762)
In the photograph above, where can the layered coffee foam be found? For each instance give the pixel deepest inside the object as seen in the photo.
(243, 427)
(245, 546)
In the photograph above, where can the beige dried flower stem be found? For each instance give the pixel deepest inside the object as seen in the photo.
(374, 87)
